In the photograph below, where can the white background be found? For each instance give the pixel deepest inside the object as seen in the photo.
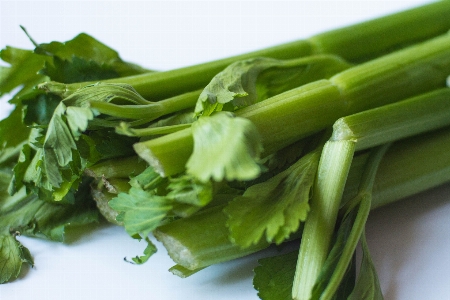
(409, 241)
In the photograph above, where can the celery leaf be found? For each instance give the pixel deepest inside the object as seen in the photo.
(22, 214)
(188, 190)
(141, 211)
(77, 70)
(273, 208)
(83, 51)
(23, 69)
(225, 147)
(148, 252)
(274, 275)
(12, 255)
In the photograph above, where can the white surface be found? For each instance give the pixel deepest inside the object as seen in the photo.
(409, 241)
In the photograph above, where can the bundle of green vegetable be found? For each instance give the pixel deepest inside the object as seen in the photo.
(223, 159)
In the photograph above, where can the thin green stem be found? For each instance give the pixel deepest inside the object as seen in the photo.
(150, 111)
(124, 129)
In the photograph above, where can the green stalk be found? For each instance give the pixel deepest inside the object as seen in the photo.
(117, 168)
(391, 122)
(295, 114)
(149, 111)
(332, 174)
(363, 203)
(373, 127)
(354, 43)
(410, 166)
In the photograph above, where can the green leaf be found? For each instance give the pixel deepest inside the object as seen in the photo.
(78, 119)
(85, 47)
(23, 70)
(12, 256)
(234, 85)
(12, 130)
(367, 284)
(188, 190)
(77, 70)
(110, 145)
(275, 207)
(148, 252)
(273, 277)
(31, 216)
(141, 211)
(20, 169)
(27, 215)
(225, 147)
(58, 138)
(39, 107)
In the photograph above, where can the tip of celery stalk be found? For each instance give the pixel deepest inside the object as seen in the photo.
(146, 154)
(342, 131)
(177, 251)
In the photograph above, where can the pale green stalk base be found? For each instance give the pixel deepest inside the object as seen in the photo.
(363, 200)
(332, 174)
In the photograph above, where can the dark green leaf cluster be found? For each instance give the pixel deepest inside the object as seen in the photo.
(43, 149)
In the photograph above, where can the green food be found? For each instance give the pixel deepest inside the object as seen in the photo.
(223, 159)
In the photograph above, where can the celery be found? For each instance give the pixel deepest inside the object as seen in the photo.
(410, 166)
(236, 174)
(372, 127)
(359, 42)
(390, 78)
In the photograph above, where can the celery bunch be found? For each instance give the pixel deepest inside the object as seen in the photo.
(223, 159)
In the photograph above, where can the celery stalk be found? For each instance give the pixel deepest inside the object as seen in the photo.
(357, 213)
(358, 42)
(319, 226)
(313, 107)
(373, 127)
(410, 166)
